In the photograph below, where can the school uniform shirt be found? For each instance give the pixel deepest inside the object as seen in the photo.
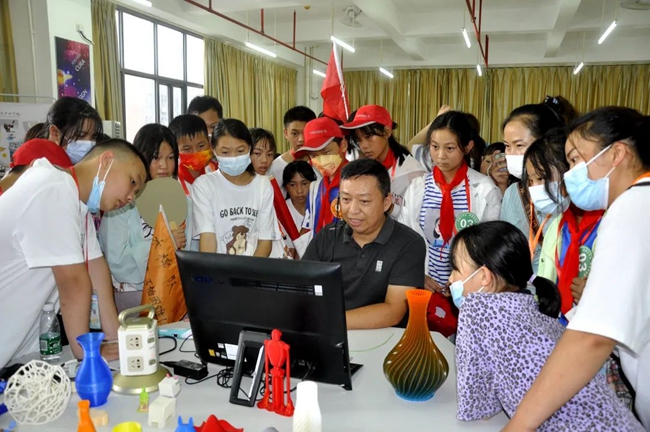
(43, 225)
(313, 210)
(401, 177)
(239, 216)
(502, 343)
(295, 214)
(421, 212)
(616, 299)
(512, 210)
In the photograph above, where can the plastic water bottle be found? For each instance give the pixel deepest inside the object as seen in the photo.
(50, 335)
(307, 416)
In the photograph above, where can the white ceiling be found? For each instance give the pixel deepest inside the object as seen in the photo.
(427, 33)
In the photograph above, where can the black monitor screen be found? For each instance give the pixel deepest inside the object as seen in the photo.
(226, 294)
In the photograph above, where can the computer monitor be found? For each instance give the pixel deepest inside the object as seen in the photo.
(226, 294)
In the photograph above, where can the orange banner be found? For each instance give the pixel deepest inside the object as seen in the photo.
(162, 282)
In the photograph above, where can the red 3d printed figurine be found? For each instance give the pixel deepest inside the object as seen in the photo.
(277, 352)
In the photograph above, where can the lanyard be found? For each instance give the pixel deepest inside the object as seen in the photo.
(534, 240)
(187, 192)
(76, 181)
(583, 240)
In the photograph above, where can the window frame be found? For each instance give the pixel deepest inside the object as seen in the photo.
(158, 80)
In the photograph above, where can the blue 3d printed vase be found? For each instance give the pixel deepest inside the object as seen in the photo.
(415, 367)
(94, 378)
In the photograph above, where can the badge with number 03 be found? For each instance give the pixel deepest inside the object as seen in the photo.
(466, 219)
(584, 263)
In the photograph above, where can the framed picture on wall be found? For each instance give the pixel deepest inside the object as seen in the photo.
(73, 69)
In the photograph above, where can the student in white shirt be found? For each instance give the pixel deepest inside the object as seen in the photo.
(610, 148)
(263, 150)
(49, 247)
(295, 120)
(451, 198)
(124, 236)
(296, 179)
(233, 207)
(372, 132)
(209, 109)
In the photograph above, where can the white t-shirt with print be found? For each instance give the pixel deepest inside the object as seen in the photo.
(239, 216)
(616, 299)
(43, 225)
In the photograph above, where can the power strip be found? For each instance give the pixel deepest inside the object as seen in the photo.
(138, 343)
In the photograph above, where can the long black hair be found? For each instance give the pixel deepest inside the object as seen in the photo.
(149, 139)
(70, 116)
(457, 123)
(503, 249)
(259, 134)
(236, 129)
(610, 124)
(542, 117)
(546, 155)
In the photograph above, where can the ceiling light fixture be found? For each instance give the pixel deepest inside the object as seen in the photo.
(319, 73)
(260, 49)
(385, 72)
(480, 71)
(342, 44)
(607, 32)
(144, 2)
(467, 41)
(578, 68)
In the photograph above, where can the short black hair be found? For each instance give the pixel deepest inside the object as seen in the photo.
(259, 134)
(69, 115)
(148, 141)
(102, 137)
(120, 147)
(503, 249)
(298, 167)
(237, 129)
(538, 118)
(298, 113)
(201, 104)
(546, 155)
(494, 147)
(368, 167)
(188, 125)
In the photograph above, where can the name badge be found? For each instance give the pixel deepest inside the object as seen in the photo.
(95, 323)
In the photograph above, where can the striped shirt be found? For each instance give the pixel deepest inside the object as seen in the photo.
(438, 264)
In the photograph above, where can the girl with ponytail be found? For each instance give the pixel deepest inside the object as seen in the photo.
(505, 333)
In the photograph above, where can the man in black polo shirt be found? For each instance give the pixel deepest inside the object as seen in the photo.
(380, 257)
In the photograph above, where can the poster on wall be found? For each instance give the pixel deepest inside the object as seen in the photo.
(73, 69)
(15, 120)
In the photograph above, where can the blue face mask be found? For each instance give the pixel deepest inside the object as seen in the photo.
(544, 203)
(234, 166)
(95, 197)
(586, 193)
(77, 149)
(458, 287)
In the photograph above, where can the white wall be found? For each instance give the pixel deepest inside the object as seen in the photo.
(36, 68)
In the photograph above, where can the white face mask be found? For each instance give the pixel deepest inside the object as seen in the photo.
(457, 288)
(515, 165)
(77, 149)
(544, 203)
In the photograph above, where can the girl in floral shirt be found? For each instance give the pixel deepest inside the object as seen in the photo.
(505, 334)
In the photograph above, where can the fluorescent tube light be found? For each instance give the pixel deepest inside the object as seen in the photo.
(260, 49)
(478, 68)
(467, 42)
(144, 2)
(578, 68)
(607, 32)
(385, 72)
(319, 73)
(340, 43)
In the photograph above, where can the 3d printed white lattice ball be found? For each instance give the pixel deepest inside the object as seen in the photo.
(37, 393)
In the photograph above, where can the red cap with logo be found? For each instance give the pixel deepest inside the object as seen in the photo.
(318, 134)
(40, 148)
(369, 114)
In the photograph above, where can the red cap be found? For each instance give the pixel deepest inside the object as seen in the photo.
(41, 148)
(318, 134)
(369, 114)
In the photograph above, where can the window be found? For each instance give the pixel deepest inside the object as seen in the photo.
(162, 70)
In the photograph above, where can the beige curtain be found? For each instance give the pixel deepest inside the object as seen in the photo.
(414, 96)
(250, 88)
(8, 81)
(108, 82)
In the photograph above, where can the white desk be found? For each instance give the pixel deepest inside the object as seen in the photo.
(371, 406)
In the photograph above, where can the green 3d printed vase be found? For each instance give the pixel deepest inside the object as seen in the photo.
(415, 367)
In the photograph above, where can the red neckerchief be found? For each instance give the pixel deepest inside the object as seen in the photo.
(572, 257)
(1, 191)
(326, 216)
(447, 216)
(185, 177)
